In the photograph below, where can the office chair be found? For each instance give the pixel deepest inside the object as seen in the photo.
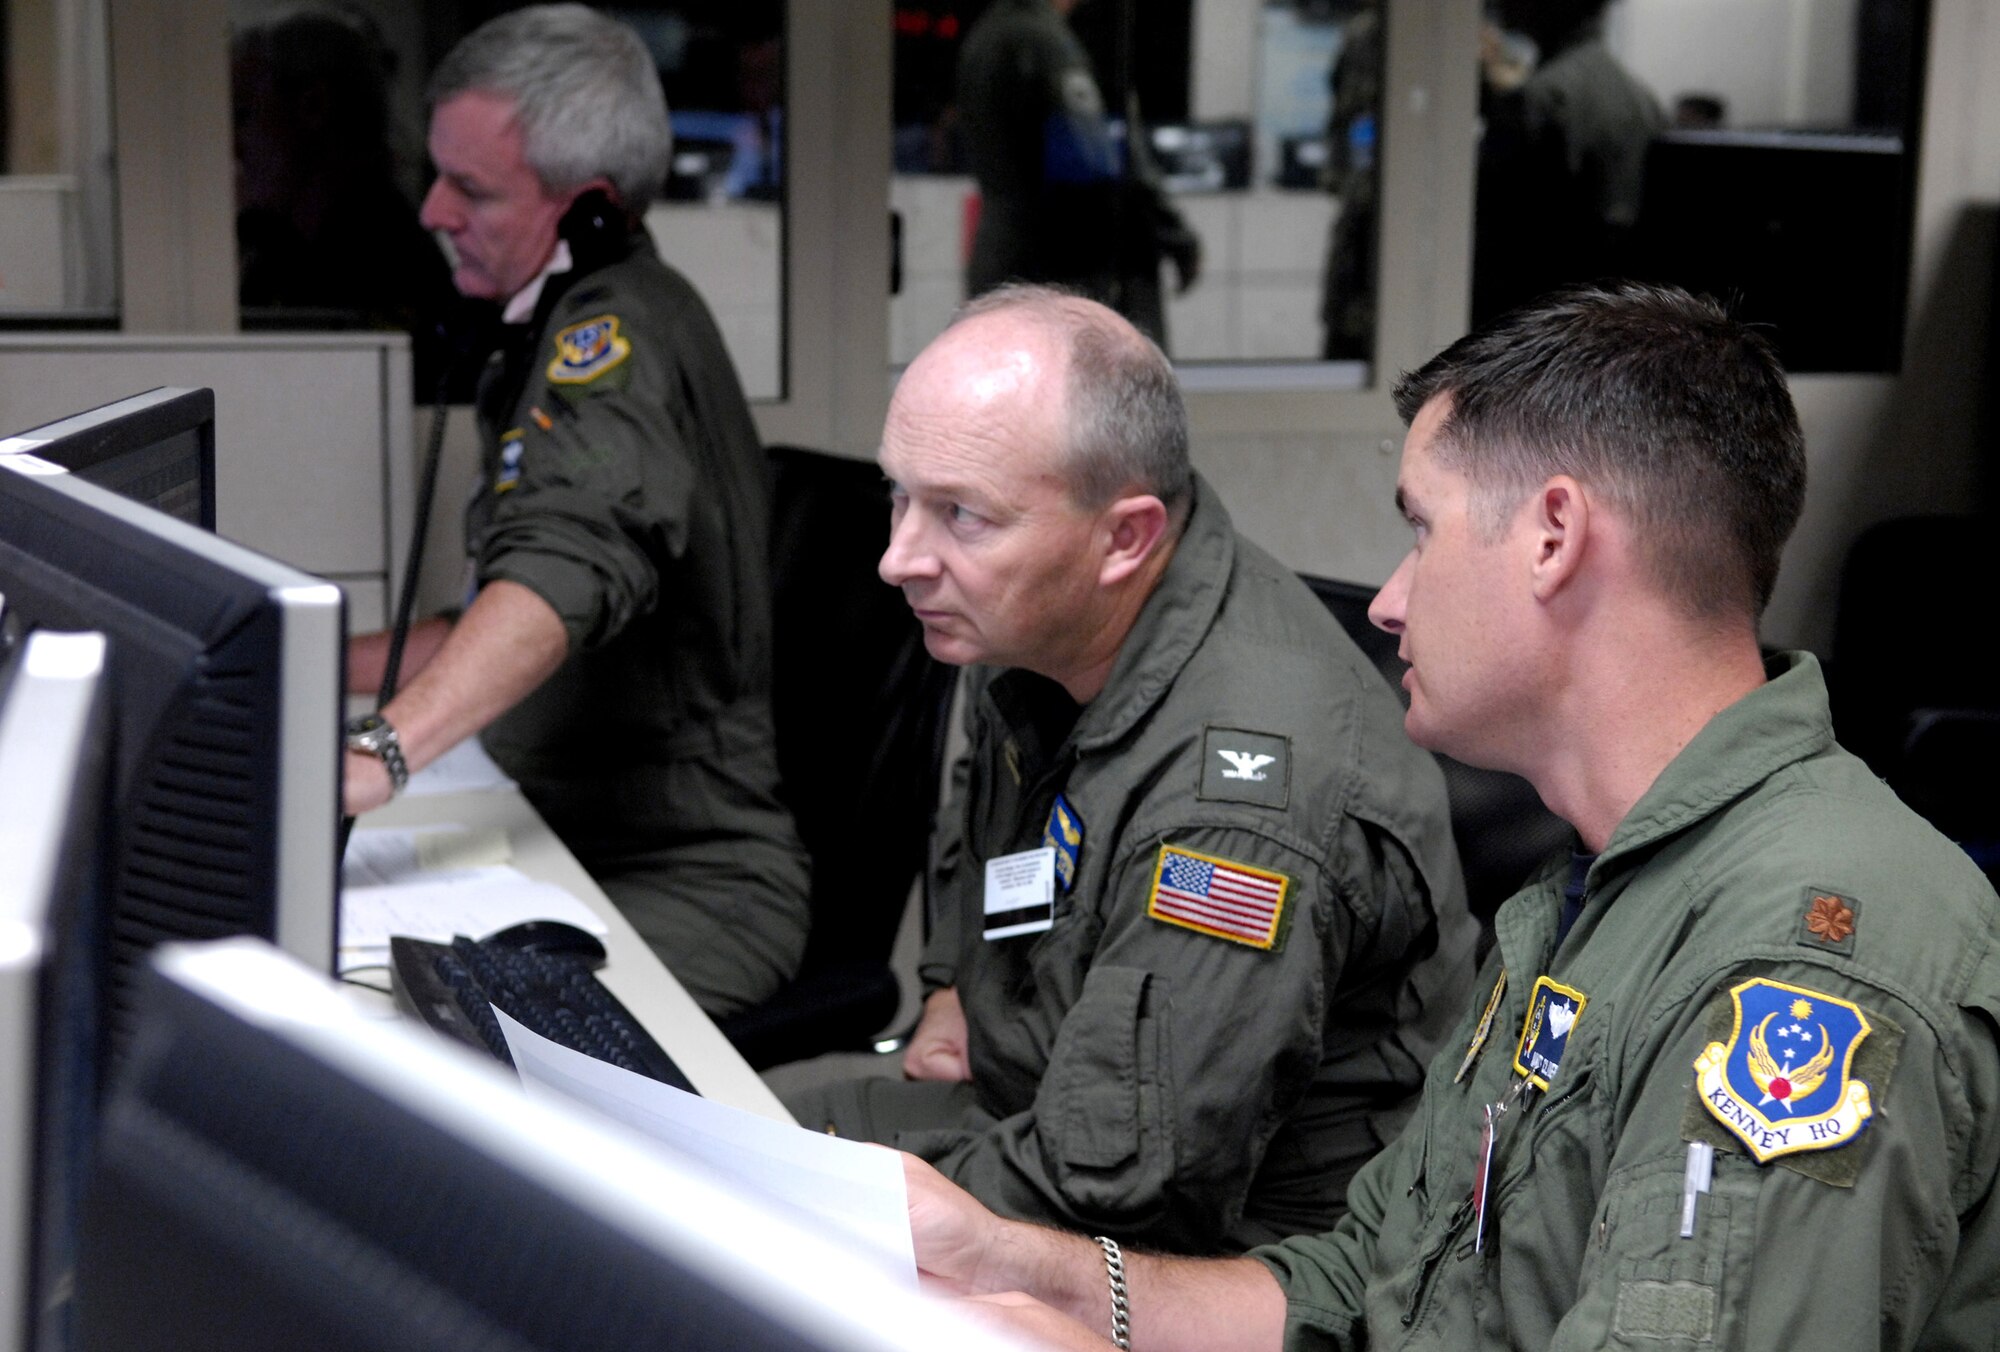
(1914, 693)
(860, 712)
(1498, 821)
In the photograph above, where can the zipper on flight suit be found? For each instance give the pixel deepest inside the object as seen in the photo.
(1427, 1266)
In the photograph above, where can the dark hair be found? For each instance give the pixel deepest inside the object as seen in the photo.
(1660, 400)
(1127, 421)
(586, 96)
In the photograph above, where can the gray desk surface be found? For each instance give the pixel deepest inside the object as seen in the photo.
(631, 971)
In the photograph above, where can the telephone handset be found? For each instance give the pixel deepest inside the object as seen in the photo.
(594, 227)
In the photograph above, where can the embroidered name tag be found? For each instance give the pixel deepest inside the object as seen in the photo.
(1553, 1010)
(1783, 1081)
(586, 351)
(1218, 896)
(1064, 835)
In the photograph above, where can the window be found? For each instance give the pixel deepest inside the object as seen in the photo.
(330, 126)
(58, 212)
(1252, 169)
(1758, 150)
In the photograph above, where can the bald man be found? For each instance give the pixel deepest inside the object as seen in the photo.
(1730, 1077)
(1198, 905)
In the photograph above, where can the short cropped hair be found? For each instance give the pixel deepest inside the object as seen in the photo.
(586, 96)
(1662, 401)
(1127, 421)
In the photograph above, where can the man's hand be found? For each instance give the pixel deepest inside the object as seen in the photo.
(949, 1229)
(937, 1048)
(364, 784)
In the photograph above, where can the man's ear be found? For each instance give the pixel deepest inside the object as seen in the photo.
(1134, 529)
(1560, 529)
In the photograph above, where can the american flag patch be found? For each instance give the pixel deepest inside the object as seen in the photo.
(1218, 896)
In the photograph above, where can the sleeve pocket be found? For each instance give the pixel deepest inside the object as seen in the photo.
(1088, 1109)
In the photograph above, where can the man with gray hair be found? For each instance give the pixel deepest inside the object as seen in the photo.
(616, 652)
(1196, 907)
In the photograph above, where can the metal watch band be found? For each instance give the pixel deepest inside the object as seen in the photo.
(374, 735)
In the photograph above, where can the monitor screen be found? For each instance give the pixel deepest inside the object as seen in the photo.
(157, 448)
(52, 757)
(223, 671)
(275, 1168)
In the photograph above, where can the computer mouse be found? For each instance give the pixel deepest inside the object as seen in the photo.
(548, 936)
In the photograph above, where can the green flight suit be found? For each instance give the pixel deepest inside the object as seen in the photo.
(1763, 853)
(1137, 1077)
(624, 483)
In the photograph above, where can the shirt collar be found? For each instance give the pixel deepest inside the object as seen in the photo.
(522, 308)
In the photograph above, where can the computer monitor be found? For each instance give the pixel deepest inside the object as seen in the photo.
(224, 677)
(275, 1168)
(157, 448)
(1807, 234)
(52, 760)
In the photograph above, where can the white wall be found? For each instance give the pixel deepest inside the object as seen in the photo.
(1774, 62)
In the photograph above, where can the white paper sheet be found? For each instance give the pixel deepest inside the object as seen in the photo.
(473, 902)
(466, 768)
(381, 857)
(844, 1188)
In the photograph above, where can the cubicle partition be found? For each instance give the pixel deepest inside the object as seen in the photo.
(313, 436)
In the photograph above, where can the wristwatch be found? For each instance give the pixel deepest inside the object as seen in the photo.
(374, 735)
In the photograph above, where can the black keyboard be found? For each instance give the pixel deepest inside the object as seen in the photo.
(454, 987)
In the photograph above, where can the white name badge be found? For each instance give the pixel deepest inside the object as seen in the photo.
(1020, 893)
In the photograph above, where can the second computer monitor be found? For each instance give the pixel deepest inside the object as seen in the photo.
(223, 675)
(157, 448)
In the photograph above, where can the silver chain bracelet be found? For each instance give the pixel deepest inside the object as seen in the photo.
(1121, 1308)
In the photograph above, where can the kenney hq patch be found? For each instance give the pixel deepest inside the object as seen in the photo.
(1553, 1010)
(1218, 896)
(1064, 835)
(1246, 767)
(1784, 1080)
(586, 351)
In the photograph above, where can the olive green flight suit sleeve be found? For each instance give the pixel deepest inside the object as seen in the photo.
(1182, 1053)
(937, 965)
(603, 475)
(1891, 1241)
(1856, 1257)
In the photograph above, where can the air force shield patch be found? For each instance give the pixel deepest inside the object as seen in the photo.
(1783, 1081)
(586, 351)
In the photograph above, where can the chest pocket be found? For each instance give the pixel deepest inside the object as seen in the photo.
(1642, 1283)
(1560, 1143)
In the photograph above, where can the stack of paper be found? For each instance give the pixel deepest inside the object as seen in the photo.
(436, 883)
(842, 1188)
